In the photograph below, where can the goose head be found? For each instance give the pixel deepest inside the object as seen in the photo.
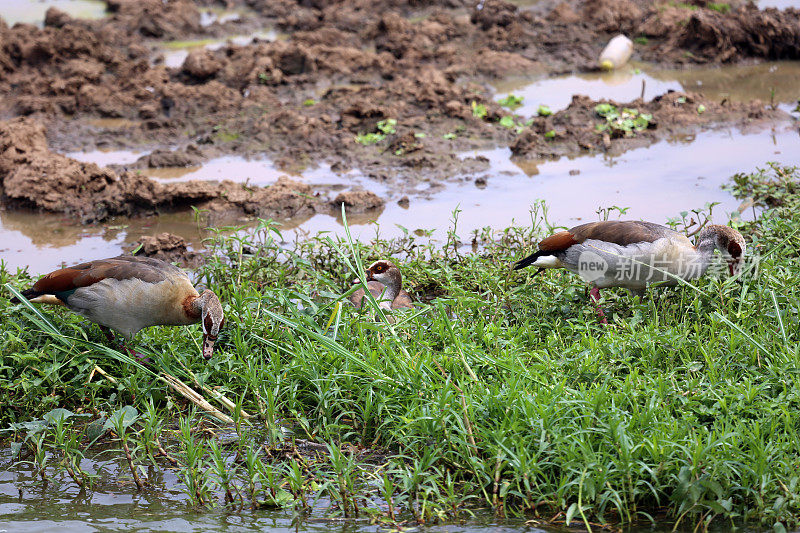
(387, 273)
(727, 240)
(212, 319)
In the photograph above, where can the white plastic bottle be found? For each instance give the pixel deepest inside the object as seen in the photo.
(616, 53)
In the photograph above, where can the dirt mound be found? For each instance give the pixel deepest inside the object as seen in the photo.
(708, 33)
(580, 127)
(32, 176)
(719, 37)
(159, 19)
(168, 247)
(357, 201)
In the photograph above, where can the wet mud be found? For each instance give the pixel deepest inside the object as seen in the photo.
(168, 247)
(393, 88)
(575, 128)
(34, 177)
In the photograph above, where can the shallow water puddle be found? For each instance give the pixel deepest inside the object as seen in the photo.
(692, 176)
(739, 83)
(113, 504)
(45, 241)
(261, 172)
(780, 4)
(656, 183)
(175, 52)
(106, 157)
(32, 11)
(252, 171)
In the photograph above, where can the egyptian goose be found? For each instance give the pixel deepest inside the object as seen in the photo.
(127, 294)
(634, 254)
(384, 281)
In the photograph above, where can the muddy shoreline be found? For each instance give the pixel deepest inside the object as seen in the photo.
(326, 90)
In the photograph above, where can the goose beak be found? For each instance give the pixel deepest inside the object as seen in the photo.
(208, 347)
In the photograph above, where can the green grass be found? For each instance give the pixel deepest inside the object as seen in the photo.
(502, 392)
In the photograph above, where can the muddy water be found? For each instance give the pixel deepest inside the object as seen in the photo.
(32, 11)
(738, 83)
(655, 183)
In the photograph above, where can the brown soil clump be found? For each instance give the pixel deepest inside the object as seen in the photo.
(32, 176)
(573, 130)
(168, 247)
(160, 158)
(357, 201)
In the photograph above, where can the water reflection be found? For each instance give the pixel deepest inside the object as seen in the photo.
(740, 83)
(32, 11)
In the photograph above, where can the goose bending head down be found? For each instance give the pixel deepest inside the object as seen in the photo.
(634, 254)
(128, 293)
(384, 282)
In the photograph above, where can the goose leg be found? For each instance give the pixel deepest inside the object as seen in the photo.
(594, 294)
(131, 351)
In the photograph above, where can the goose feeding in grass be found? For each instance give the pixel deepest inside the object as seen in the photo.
(385, 283)
(634, 254)
(128, 293)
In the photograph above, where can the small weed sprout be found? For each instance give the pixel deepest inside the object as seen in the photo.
(511, 101)
(384, 128)
(478, 110)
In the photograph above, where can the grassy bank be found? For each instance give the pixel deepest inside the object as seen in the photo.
(501, 391)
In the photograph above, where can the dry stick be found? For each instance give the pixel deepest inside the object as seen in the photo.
(221, 398)
(194, 397)
(98, 370)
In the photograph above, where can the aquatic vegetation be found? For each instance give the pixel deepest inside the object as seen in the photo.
(511, 101)
(623, 122)
(478, 110)
(120, 421)
(384, 128)
(496, 393)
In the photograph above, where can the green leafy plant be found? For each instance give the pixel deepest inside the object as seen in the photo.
(478, 110)
(544, 111)
(511, 101)
(721, 7)
(621, 123)
(384, 128)
(507, 121)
